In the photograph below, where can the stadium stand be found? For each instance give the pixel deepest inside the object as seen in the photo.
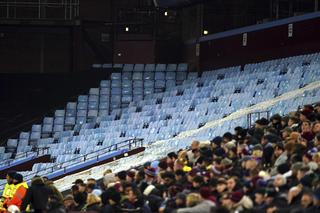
(162, 116)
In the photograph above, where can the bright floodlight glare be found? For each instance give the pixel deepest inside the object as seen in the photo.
(127, 29)
(205, 32)
(166, 13)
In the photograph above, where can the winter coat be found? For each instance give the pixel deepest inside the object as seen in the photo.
(37, 195)
(205, 206)
(244, 204)
(95, 207)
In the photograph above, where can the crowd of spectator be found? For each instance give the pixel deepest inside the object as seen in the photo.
(271, 167)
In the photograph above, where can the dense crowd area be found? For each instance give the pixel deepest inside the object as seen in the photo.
(271, 167)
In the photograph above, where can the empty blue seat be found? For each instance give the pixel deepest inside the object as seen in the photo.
(12, 143)
(170, 76)
(161, 67)
(82, 98)
(148, 84)
(93, 98)
(36, 128)
(104, 91)
(115, 99)
(24, 135)
(57, 128)
(103, 112)
(171, 67)
(115, 83)
(127, 76)
(126, 99)
(59, 120)
(137, 84)
(47, 120)
(35, 136)
(128, 68)
(170, 83)
(93, 105)
(105, 84)
(115, 91)
(127, 91)
(82, 105)
(104, 105)
(92, 113)
(137, 76)
(137, 91)
(47, 128)
(94, 91)
(71, 112)
(138, 68)
(148, 76)
(137, 98)
(181, 76)
(81, 120)
(160, 76)
(150, 68)
(183, 67)
(160, 84)
(115, 76)
(126, 83)
(148, 91)
(59, 113)
(71, 105)
(104, 98)
(81, 113)
(70, 121)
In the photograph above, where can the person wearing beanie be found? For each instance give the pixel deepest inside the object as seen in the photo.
(20, 192)
(130, 176)
(150, 176)
(196, 204)
(237, 202)
(111, 201)
(8, 191)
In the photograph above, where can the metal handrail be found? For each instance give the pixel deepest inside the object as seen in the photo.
(131, 143)
(249, 116)
(36, 151)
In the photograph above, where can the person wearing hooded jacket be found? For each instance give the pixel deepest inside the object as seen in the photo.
(37, 195)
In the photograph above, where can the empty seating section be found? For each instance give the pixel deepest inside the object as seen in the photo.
(157, 102)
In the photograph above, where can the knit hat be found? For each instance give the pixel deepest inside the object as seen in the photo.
(131, 174)
(217, 141)
(151, 172)
(206, 194)
(219, 152)
(236, 196)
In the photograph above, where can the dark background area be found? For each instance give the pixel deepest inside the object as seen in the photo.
(46, 53)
